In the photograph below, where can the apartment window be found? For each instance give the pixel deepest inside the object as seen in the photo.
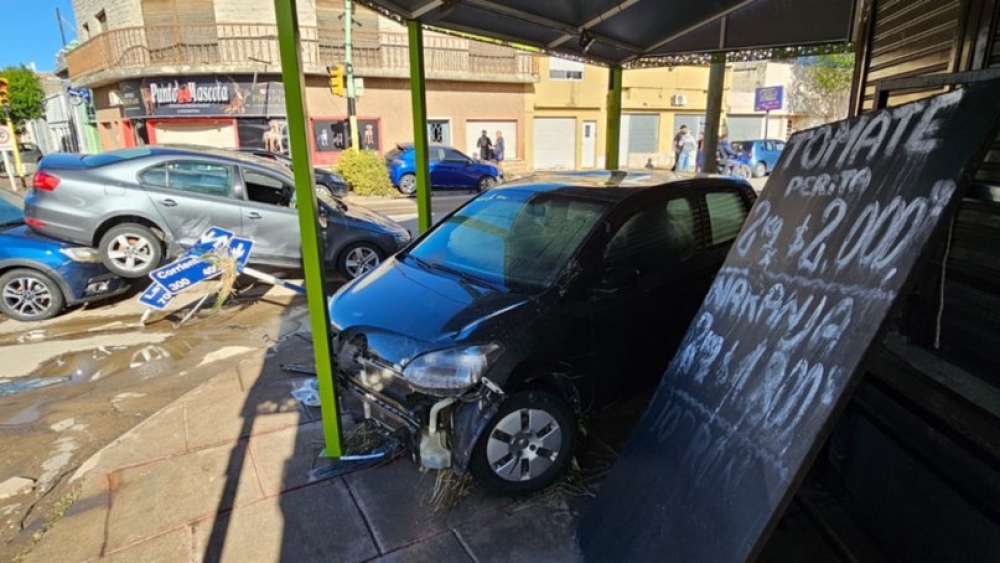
(562, 69)
(102, 21)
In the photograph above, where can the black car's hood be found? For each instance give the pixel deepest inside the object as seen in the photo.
(405, 310)
(361, 213)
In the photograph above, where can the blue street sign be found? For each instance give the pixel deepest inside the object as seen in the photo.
(239, 248)
(769, 98)
(213, 238)
(184, 274)
(156, 297)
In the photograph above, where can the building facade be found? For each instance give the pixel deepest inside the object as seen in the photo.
(567, 110)
(208, 73)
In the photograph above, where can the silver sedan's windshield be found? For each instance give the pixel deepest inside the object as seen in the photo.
(511, 237)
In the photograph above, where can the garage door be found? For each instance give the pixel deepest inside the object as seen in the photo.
(555, 143)
(639, 134)
(745, 127)
(209, 134)
(474, 130)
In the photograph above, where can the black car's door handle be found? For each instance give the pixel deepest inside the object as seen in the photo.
(254, 215)
(169, 203)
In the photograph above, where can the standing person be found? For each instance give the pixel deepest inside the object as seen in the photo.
(677, 146)
(485, 146)
(498, 148)
(688, 148)
(728, 162)
(698, 157)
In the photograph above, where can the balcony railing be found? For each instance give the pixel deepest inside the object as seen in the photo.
(230, 47)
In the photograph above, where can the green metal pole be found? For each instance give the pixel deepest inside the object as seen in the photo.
(713, 113)
(418, 99)
(305, 195)
(352, 111)
(614, 118)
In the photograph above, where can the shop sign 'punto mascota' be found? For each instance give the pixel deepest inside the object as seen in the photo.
(202, 96)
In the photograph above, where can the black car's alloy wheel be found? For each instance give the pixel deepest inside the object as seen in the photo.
(527, 446)
(131, 250)
(358, 259)
(408, 184)
(28, 295)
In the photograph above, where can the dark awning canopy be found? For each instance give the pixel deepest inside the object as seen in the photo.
(624, 31)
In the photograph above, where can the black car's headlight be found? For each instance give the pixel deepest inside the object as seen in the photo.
(452, 370)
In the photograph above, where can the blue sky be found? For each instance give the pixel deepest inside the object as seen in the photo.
(28, 31)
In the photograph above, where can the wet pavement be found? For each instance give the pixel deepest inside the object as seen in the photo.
(72, 385)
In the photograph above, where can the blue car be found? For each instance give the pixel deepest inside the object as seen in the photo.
(39, 276)
(449, 169)
(760, 154)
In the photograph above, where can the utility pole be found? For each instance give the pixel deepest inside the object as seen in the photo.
(62, 32)
(352, 112)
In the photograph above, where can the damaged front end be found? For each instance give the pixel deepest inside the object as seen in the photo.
(441, 400)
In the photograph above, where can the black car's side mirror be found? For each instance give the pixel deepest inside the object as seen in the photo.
(615, 280)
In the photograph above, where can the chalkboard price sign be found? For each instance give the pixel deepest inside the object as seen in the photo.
(773, 350)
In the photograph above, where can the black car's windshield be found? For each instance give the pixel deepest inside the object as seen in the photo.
(510, 237)
(10, 208)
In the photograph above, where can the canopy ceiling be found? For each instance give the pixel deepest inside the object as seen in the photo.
(626, 30)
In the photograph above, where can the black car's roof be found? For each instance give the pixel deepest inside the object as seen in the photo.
(617, 185)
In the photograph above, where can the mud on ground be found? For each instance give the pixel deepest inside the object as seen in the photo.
(70, 386)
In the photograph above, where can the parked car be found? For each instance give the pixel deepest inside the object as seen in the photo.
(449, 168)
(328, 183)
(40, 276)
(139, 205)
(30, 156)
(760, 154)
(488, 337)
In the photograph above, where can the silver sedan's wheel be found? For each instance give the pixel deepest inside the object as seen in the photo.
(527, 446)
(360, 259)
(524, 445)
(27, 295)
(130, 250)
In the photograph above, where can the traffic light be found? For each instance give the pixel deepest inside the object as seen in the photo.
(336, 74)
(4, 94)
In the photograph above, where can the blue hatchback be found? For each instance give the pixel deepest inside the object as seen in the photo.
(449, 169)
(39, 275)
(760, 154)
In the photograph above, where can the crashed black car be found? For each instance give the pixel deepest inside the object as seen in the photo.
(488, 337)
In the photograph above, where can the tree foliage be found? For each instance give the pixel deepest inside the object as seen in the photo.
(27, 98)
(823, 84)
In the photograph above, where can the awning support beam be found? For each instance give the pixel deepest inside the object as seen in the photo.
(418, 100)
(305, 195)
(614, 118)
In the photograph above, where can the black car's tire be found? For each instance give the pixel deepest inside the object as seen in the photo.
(358, 259)
(486, 182)
(408, 184)
(131, 250)
(527, 446)
(29, 295)
(759, 169)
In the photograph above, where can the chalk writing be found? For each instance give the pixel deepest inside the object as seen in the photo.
(805, 289)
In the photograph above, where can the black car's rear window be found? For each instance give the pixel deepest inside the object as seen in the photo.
(103, 159)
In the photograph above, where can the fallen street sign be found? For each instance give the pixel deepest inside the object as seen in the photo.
(239, 248)
(156, 297)
(184, 274)
(213, 238)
